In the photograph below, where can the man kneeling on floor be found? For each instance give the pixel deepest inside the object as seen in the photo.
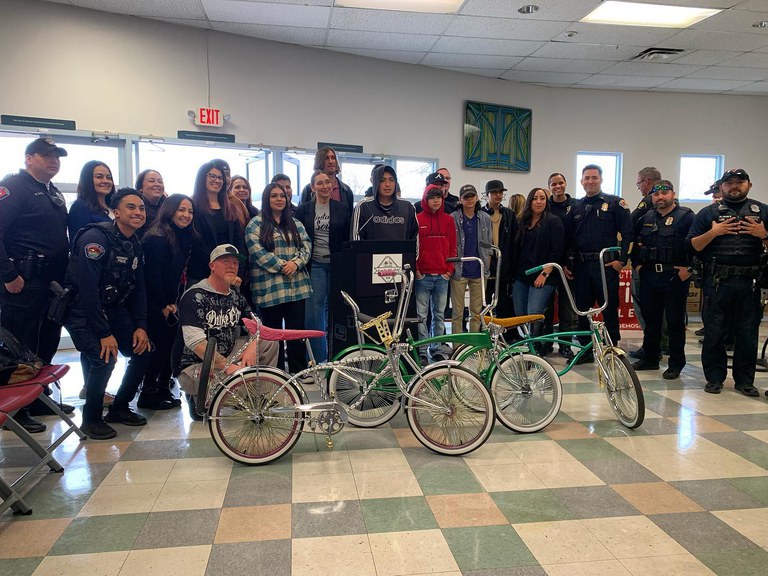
(213, 308)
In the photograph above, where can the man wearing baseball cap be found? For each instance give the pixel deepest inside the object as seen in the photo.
(33, 253)
(503, 232)
(730, 238)
(441, 179)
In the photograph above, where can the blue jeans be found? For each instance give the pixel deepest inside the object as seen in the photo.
(529, 299)
(316, 313)
(431, 295)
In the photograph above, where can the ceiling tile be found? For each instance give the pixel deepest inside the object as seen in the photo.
(505, 28)
(756, 5)
(571, 10)
(191, 9)
(706, 40)
(730, 73)
(623, 81)
(185, 22)
(561, 78)
(300, 2)
(757, 87)
(621, 35)
(563, 65)
(287, 34)
(489, 72)
(738, 21)
(456, 45)
(470, 61)
(705, 57)
(380, 40)
(650, 69)
(394, 55)
(750, 60)
(701, 85)
(587, 51)
(269, 14)
(389, 21)
(693, 3)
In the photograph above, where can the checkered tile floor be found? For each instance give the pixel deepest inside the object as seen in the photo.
(686, 494)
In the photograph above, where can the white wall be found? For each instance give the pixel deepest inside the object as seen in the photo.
(122, 74)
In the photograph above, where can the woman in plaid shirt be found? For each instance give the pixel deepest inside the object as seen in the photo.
(278, 251)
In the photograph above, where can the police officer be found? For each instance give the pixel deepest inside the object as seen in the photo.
(33, 252)
(730, 237)
(660, 259)
(109, 313)
(503, 233)
(594, 223)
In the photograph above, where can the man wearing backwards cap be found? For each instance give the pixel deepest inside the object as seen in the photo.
(730, 238)
(33, 252)
(212, 307)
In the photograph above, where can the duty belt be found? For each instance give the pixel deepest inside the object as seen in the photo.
(723, 271)
(659, 267)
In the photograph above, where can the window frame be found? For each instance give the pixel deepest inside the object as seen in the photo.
(618, 158)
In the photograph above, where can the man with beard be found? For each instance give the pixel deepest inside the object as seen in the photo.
(730, 237)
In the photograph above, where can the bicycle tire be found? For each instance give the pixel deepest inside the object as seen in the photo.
(457, 428)
(205, 376)
(527, 392)
(382, 395)
(622, 387)
(245, 423)
(458, 350)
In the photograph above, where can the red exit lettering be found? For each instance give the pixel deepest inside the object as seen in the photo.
(209, 117)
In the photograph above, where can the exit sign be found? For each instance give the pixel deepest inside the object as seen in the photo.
(209, 117)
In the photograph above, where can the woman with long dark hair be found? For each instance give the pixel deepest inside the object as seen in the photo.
(151, 185)
(167, 246)
(278, 252)
(540, 238)
(327, 224)
(92, 204)
(216, 220)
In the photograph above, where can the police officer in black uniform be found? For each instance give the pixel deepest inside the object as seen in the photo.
(730, 237)
(660, 258)
(595, 223)
(109, 311)
(33, 252)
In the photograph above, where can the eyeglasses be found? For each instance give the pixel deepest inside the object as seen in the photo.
(661, 188)
(215, 177)
(639, 182)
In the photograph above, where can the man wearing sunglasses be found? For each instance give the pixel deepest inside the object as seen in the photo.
(730, 238)
(33, 253)
(661, 261)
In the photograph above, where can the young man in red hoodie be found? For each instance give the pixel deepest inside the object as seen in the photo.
(437, 242)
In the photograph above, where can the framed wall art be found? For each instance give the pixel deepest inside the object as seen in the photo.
(497, 137)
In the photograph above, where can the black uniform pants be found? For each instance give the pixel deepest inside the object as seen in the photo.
(566, 315)
(504, 307)
(733, 304)
(588, 289)
(25, 316)
(663, 293)
(97, 371)
(158, 376)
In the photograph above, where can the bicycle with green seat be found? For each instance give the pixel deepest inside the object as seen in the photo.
(615, 373)
(526, 389)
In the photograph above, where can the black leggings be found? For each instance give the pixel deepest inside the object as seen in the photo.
(292, 313)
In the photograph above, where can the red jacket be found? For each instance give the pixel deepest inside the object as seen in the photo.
(437, 239)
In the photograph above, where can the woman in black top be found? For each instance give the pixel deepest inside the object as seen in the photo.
(540, 238)
(216, 219)
(240, 188)
(167, 246)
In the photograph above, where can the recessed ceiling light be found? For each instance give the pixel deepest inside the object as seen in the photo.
(528, 9)
(434, 6)
(656, 15)
(760, 24)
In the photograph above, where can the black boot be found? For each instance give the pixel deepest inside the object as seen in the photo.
(152, 398)
(192, 409)
(539, 348)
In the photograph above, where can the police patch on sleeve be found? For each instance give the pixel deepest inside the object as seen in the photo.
(623, 204)
(94, 251)
(4, 192)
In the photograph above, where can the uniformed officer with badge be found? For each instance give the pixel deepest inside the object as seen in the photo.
(660, 258)
(594, 223)
(729, 237)
(33, 252)
(109, 311)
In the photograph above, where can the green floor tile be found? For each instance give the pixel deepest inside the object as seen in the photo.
(755, 487)
(19, 566)
(93, 534)
(759, 457)
(459, 481)
(397, 514)
(592, 449)
(282, 467)
(753, 562)
(516, 437)
(612, 429)
(485, 547)
(522, 506)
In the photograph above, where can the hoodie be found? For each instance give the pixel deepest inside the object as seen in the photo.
(437, 239)
(373, 221)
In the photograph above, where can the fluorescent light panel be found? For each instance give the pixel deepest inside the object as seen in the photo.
(433, 6)
(655, 15)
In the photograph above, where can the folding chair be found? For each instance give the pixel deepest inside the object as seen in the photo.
(15, 396)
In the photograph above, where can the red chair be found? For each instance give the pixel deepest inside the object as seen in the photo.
(15, 396)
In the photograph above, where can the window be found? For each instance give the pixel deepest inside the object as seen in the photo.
(412, 177)
(697, 173)
(610, 162)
